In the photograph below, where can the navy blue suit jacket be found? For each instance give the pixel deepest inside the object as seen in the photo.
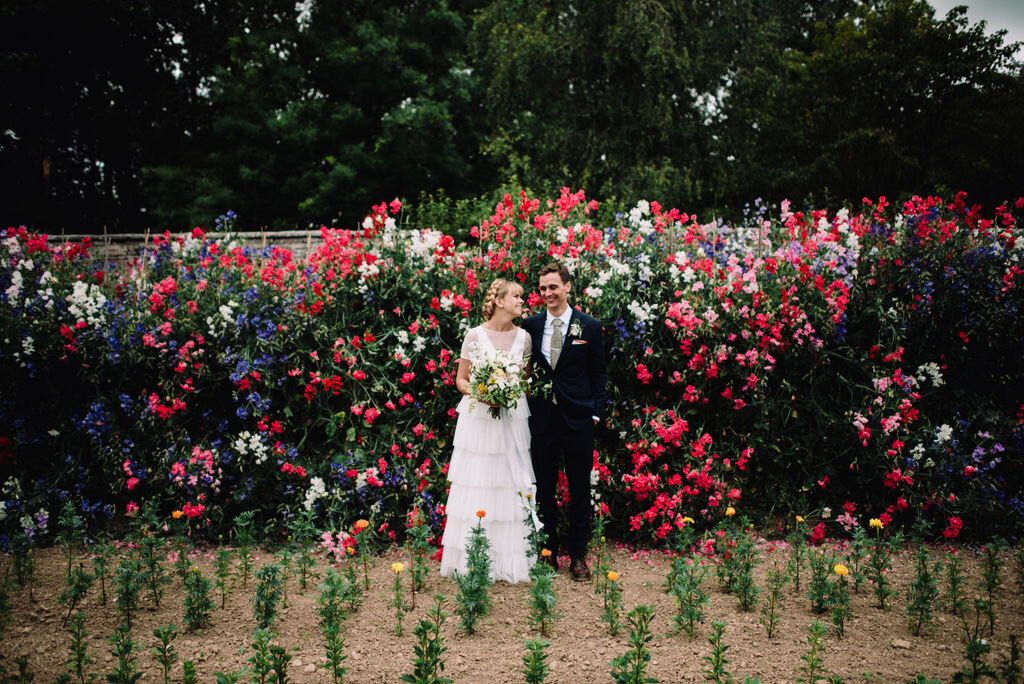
(578, 381)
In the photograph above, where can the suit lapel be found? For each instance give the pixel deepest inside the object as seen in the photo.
(536, 340)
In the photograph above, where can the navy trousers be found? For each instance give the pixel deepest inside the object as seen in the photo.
(555, 445)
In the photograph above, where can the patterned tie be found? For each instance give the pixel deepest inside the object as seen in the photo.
(556, 341)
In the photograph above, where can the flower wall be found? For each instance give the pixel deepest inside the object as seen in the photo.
(860, 363)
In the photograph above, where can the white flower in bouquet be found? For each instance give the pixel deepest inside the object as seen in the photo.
(496, 378)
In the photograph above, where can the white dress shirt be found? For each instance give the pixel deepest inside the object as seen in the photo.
(545, 341)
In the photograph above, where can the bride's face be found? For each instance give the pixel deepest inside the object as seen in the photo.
(512, 302)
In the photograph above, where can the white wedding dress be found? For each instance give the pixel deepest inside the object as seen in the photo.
(491, 471)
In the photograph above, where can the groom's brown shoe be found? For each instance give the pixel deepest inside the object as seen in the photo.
(580, 571)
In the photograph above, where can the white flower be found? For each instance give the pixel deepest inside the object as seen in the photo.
(316, 490)
(15, 289)
(227, 311)
(641, 312)
(943, 433)
(593, 292)
(930, 371)
(86, 303)
(248, 443)
(636, 214)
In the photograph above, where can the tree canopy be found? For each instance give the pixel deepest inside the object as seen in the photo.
(130, 115)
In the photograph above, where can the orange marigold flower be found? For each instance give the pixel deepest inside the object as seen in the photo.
(613, 576)
(545, 553)
(176, 514)
(362, 524)
(730, 511)
(481, 514)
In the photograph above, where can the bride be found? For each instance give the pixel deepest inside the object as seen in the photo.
(490, 469)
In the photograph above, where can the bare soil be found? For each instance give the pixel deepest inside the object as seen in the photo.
(878, 645)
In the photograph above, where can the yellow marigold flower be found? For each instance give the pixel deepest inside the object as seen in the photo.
(177, 514)
(876, 523)
(397, 567)
(841, 570)
(545, 553)
(613, 576)
(481, 388)
(730, 511)
(362, 524)
(687, 520)
(799, 518)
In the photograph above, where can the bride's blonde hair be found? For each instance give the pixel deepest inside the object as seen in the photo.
(498, 289)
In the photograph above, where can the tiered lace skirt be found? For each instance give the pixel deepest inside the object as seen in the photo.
(490, 471)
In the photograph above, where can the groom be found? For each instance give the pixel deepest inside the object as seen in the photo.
(568, 353)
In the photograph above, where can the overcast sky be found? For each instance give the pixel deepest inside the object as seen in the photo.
(998, 14)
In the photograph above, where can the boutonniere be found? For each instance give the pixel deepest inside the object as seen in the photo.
(575, 329)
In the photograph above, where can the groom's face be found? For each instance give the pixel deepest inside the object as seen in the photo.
(554, 292)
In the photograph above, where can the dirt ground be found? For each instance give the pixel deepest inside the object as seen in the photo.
(878, 645)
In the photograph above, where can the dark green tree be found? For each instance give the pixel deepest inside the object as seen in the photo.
(88, 101)
(884, 99)
(602, 95)
(314, 116)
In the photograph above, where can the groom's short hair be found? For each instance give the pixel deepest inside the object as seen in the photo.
(554, 267)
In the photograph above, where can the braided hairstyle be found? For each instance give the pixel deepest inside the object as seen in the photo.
(498, 289)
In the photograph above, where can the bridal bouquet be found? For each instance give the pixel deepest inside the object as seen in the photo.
(497, 378)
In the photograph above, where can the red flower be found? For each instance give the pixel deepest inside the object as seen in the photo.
(953, 528)
(193, 511)
(642, 374)
(817, 534)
